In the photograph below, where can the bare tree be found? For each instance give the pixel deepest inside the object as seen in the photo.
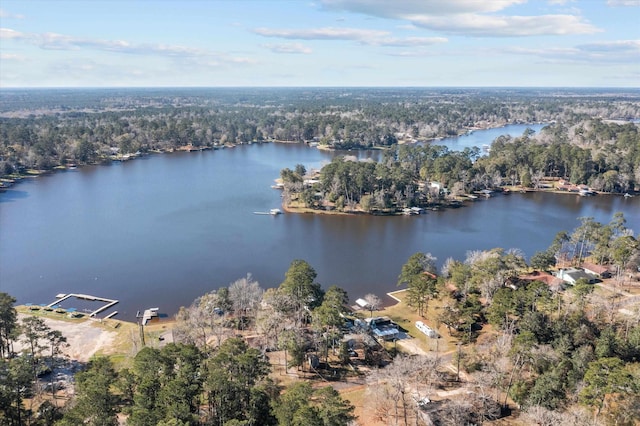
(245, 295)
(373, 302)
(205, 317)
(403, 384)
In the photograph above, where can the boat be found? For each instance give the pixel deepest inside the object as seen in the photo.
(272, 212)
(627, 195)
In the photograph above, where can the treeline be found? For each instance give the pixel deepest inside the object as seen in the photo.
(607, 159)
(44, 129)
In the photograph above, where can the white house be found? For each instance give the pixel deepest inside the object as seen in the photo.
(571, 275)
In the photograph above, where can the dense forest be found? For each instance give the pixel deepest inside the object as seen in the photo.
(559, 353)
(42, 129)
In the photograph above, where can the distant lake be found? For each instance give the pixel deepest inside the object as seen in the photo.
(164, 229)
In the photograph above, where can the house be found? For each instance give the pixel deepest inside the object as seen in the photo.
(598, 271)
(362, 303)
(554, 283)
(437, 186)
(382, 328)
(571, 275)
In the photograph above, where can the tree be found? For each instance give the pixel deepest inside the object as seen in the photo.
(418, 274)
(606, 376)
(300, 170)
(56, 342)
(245, 294)
(8, 324)
(542, 260)
(373, 303)
(582, 289)
(235, 374)
(293, 406)
(300, 283)
(624, 248)
(16, 379)
(332, 409)
(95, 403)
(205, 316)
(182, 382)
(147, 367)
(300, 405)
(400, 385)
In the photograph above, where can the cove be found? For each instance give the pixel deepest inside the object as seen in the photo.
(164, 229)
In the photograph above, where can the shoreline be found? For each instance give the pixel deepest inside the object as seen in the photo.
(457, 203)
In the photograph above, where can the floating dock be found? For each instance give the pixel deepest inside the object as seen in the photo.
(109, 302)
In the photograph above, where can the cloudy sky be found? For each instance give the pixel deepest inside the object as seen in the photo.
(592, 43)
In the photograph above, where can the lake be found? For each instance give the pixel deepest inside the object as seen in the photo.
(161, 230)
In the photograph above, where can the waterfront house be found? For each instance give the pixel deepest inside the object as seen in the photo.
(554, 283)
(382, 328)
(572, 275)
(598, 271)
(363, 304)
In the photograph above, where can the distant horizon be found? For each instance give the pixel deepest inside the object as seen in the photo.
(320, 87)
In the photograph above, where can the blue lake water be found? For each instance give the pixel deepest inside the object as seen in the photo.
(164, 229)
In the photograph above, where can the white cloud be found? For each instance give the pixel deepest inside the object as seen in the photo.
(288, 48)
(54, 41)
(7, 34)
(500, 26)
(631, 47)
(623, 3)
(468, 17)
(398, 9)
(328, 33)
(601, 53)
(406, 42)
(366, 37)
(560, 2)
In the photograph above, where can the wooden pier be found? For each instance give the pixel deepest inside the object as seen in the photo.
(109, 302)
(149, 314)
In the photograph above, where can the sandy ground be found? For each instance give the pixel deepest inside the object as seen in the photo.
(85, 337)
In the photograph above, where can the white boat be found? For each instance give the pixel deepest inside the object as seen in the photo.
(275, 212)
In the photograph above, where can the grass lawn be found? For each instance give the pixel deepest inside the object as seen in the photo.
(406, 317)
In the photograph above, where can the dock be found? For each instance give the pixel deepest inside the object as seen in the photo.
(109, 302)
(149, 314)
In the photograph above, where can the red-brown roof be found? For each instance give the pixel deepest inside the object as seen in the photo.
(598, 269)
(544, 277)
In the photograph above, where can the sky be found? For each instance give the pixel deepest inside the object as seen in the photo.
(273, 43)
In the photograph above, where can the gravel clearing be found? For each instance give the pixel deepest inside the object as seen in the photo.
(85, 337)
